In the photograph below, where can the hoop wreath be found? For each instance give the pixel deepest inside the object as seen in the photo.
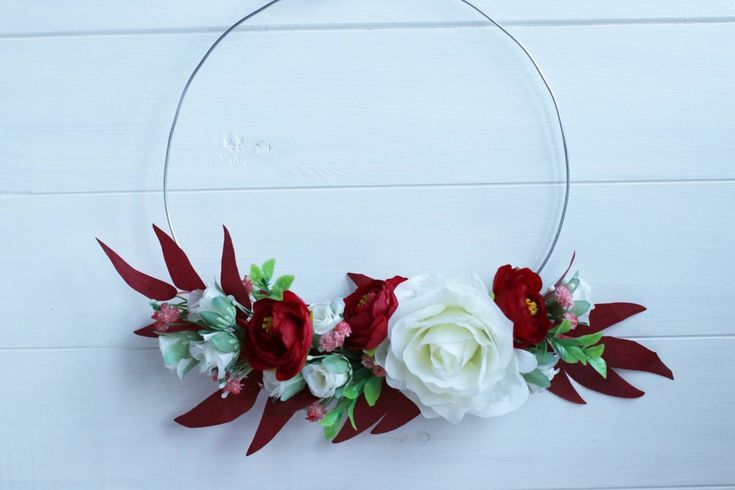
(394, 348)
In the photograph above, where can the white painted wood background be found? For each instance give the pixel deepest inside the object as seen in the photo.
(379, 136)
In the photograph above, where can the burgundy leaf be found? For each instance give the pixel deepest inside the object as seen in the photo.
(216, 410)
(148, 286)
(365, 415)
(627, 354)
(613, 385)
(607, 314)
(401, 412)
(147, 331)
(275, 415)
(230, 276)
(562, 387)
(182, 273)
(359, 279)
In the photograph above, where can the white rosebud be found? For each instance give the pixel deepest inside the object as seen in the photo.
(283, 390)
(326, 316)
(210, 357)
(323, 382)
(583, 292)
(175, 351)
(212, 307)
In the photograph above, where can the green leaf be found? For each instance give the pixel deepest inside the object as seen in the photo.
(599, 365)
(596, 351)
(564, 327)
(337, 364)
(351, 413)
(268, 267)
(373, 387)
(580, 308)
(351, 392)
(225, 342)
(276, 294)
(283, 283)
(256, 275)
(537, 378)
(331, 418)
(577, 353)
(331, 431)
(588, 340)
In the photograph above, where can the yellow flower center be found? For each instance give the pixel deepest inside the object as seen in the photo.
(532, 306)
(267, 324)
(364, 300)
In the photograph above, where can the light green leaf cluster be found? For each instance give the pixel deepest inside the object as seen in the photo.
(262, 277)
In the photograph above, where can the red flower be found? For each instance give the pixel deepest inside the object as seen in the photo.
(367, 310)
(518, 294)
(278, 336)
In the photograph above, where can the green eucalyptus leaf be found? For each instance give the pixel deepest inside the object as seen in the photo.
(372, 389)
(589, 340)
(599, 365)
(268, 267)
(351, 413)
(283, 283)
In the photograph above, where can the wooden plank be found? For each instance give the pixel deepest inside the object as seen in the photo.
(362, 107)
(18, 18)
(662, 245)
(102, 418)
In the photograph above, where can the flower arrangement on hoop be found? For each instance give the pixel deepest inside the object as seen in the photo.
(442, 347)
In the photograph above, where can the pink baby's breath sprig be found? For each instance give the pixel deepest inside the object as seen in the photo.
(564, 297)
(165, 316)
(315, 412)
(335, 338)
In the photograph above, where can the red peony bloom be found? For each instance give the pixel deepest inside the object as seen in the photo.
(518, 294)
(279, 335)
(367, 310)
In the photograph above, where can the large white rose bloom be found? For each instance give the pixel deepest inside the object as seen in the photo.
(450, 350)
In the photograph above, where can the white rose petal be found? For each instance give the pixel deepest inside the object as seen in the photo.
(282, 390)
(321, 381)
(326, 316)
(209, 357)
(450, 350)
(583, 292)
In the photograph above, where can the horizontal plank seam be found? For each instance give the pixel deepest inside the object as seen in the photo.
(155, 348)
(369, 26)
(376, 186)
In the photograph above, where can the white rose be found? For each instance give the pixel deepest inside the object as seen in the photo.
(321, 381)
(283, 390)
(210, 357)
(531, 367)
(212, 307)
(326, 316)
(583, 292)
(450, 350)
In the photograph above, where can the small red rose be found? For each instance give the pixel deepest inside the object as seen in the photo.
(367, 310)
(278, 336)
(518, 294)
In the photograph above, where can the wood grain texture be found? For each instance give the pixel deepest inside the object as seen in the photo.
(115, 409)
(360, 107)
(80, 16)
(627, 240)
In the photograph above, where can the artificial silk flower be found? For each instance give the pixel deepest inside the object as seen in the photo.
(175, 351)
(582, 292)
(217, 351)
(450, 350)
(518, 294)
(211, 307)
(326, 316)
(322, 381)
(282, 390)
(367, 311)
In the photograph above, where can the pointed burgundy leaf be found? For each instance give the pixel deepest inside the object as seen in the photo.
(365, 415)
(147, 331)
(182, 273)
(613, 385)
(627, 354)
(216, 410)
(148, 286)
(275, 415)
(563, 388)
(607, 314)
(401, 412)
(230, 276)
(359, 279)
